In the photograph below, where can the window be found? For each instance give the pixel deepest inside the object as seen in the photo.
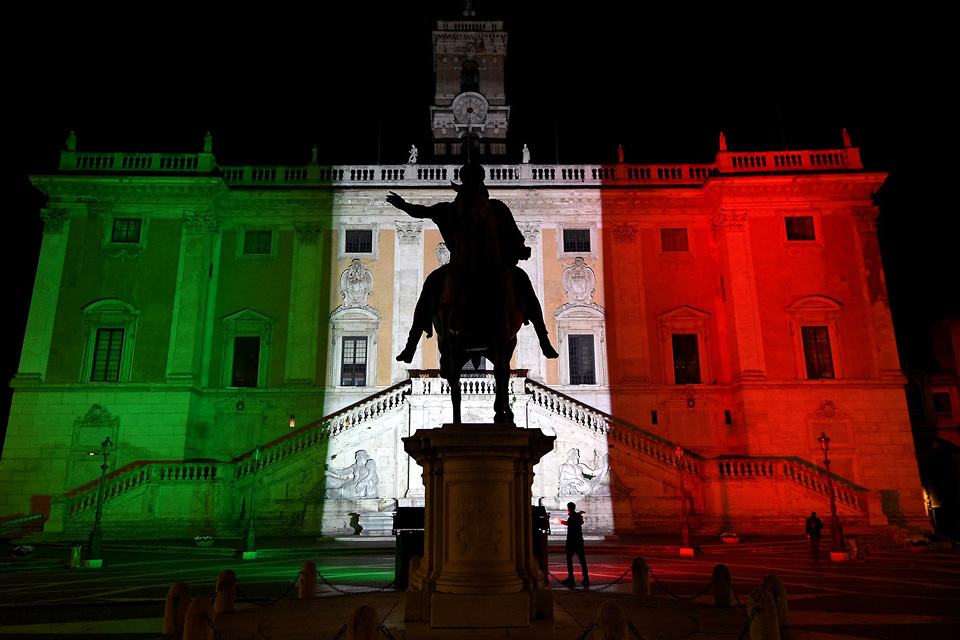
(814, 329)
(257, 242)
(359, 241)
(582, 370)
(353, 367)
(246, 361)
(107, 350)
(576, 240)
(674, 240)
(247, 335)
(942, 408)
(470, 77)
(800, 228)
(686, 358)
(816, 352)
(111, 330)
(126, 230)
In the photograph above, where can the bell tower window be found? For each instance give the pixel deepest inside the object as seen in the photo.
(470, 77)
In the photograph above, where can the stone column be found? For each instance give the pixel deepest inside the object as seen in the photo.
(43, 303)
(736, 259)
(301, 365)
(407, 281)
(478, 568)
(200, 229)
(528, 355)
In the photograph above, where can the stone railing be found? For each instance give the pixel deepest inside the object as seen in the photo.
(84, 500)
(303, 439)
(498, 175)
(427, 382)
(136, 162)
(617, 431)
(796, 471)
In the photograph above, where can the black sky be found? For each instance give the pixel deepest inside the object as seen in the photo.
(270, 81)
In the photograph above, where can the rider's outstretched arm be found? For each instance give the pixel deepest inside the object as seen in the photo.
(413, 210)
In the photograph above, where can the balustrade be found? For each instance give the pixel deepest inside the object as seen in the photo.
(808, 477)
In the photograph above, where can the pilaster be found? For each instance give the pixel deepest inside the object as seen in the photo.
(46, 293)
(741, 291)
(200, 231)
(528, 355)
(408, 277)
(875, 292)
(301, 363)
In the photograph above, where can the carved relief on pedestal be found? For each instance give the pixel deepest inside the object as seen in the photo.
(578, 282)
(356, 283)
(479, 527)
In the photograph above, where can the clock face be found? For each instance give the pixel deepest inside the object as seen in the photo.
(469, 108)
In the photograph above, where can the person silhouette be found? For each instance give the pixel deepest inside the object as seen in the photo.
(814, 529)
(574, 544)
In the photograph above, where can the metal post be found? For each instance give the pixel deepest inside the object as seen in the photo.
(249, 542)
(96, 536)
(836, 532)
(684, 525)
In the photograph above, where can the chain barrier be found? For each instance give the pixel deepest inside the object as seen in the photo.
(633, 629)
(216, 634)
(386, 632)
(268, 600)
(672, 594)
(340, 633)
(746, 629)
(342, 592)
(587, 630)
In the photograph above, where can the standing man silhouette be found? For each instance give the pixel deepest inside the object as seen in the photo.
(574, 545)
(814, 528)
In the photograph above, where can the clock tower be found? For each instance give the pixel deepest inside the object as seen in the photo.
(469, 107)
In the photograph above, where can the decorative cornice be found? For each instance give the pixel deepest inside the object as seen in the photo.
(53, 220)
(730, 220)
(409, 232)
(200, 222)
(307, 232)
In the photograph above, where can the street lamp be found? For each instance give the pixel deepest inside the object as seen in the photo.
(836, 532)
(96, 536)
(249, 542)
(684, 525)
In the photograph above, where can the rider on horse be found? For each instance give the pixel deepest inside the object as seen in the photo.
(510, 240)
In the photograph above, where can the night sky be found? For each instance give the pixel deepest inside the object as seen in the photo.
(270, 81)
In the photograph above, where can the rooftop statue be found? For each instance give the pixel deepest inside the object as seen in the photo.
(478, 300)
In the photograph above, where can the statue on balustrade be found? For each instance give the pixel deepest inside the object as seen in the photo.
(478, 300)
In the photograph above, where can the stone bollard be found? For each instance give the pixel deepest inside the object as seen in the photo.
(764, 625)
(308, 581)
(722, 587)
(611, 622)
(226, 592)
(178, 599)
(413, 598)
(200, 615)
(641, 577)
(774, 585)
(364, 625)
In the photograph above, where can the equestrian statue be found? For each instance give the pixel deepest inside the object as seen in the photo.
(478, 301)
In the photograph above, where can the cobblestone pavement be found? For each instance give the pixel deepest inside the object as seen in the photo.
(40, 599)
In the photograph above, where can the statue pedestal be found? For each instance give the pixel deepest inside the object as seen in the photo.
(478, 568)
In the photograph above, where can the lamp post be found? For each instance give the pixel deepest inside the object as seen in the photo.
(249, 541)
(96, 536)
(836, 532)
(684, 525)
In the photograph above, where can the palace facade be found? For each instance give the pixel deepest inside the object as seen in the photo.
(230, 325)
